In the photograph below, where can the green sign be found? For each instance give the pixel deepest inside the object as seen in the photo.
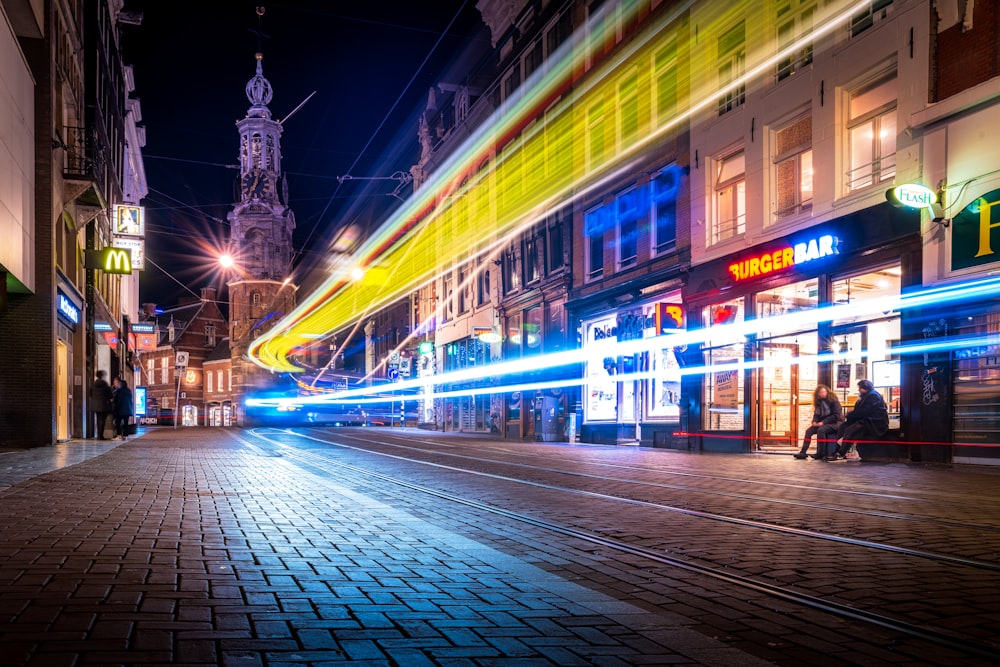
(975, 235)
(426, 347)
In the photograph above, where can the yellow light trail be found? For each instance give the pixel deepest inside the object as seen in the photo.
(529, 159)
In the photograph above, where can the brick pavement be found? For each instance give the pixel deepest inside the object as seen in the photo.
(185, 547)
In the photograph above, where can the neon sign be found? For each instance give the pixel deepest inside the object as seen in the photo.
(67, 308)
(784, 258)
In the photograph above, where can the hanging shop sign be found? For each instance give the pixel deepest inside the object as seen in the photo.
(975, 236)
(109, 260)
(67, 309)
(911, 195)
(136, 247)
(783, 258)
(130, 220)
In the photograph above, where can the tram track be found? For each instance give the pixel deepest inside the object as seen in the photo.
(942, 637)
(699, 490)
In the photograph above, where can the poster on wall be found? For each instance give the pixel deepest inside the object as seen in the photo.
(602, 371)
(843, 376)
(665, 386)
(727, 384)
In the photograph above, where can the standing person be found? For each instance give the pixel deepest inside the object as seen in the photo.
(123, 408)
(827, 415)
(870, 417)
(100, 403)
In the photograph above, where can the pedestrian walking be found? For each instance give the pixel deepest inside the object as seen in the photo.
(826, 419)
(123, 408)
(100, 403)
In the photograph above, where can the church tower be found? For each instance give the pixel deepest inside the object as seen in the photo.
(261, 227)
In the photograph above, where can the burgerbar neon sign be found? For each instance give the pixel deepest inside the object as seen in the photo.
(784, 258)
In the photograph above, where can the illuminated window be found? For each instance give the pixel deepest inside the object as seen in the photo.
(164, 371)
(628, 109)
(795, 21)
(872, 134)
(151, 371)
(218, 378)
(732, 56)
(730, 191)
(793, 168)
(877, 11)
(627, 244)
(208, 383)
(665, 74)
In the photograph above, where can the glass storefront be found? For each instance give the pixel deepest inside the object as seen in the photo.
(783, 364)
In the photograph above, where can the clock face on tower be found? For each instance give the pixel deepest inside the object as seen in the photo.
(256, 184)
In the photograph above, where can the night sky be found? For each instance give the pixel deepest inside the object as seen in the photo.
(191, 62)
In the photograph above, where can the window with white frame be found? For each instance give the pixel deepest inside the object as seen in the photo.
(628, 109)
(794, 19)
(218, 380)
(463, 289)
(793, 168)
(255, 299)
(876, 12)
(871, 131)
(663, 189)
(665, 78)
(510, 271)
(483, 285)
(732, 58)
(164, 370)
(534, 251)
(627, 204)
(229, 380)
(730, 195)
(209, 384)
(151, 371)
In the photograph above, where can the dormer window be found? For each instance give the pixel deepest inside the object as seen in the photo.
(210, 335)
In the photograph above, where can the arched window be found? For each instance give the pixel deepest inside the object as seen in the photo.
(255, 300)
(270, 153)
(255, 150)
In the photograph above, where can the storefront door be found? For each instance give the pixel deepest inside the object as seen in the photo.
(777, 395)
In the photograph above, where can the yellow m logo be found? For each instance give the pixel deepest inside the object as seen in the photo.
(117, 260)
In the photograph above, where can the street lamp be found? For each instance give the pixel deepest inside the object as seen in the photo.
(226, 261)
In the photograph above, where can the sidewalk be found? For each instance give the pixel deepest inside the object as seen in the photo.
(185, 547)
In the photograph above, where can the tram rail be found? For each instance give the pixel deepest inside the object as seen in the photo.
(724, 572)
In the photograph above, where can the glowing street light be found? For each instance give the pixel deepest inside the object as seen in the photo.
(226, 261)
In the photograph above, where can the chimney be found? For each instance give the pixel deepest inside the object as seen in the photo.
(208, 294)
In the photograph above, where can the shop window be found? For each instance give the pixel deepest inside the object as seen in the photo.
(665, 76)
(664, 187)
(723, 355)
(793, 168)
(795, 20)
(602, 370)
(627, 244)
(531, 341)
(876, 12)
(732, 56)
(872, 134)
(628, 109)
(730, 191)
(860, 342)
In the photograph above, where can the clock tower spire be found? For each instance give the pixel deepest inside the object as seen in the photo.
(261, 225)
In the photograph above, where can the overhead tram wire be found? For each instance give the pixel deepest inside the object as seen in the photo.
(378, 129)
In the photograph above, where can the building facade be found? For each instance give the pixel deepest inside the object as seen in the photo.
(67, 104)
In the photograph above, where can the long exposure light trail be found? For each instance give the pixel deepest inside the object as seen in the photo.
(939, 296)
(507, 174)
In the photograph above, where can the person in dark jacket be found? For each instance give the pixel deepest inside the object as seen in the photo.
(827, 415)
(868, 419)
(100, 403)
(124, 407)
